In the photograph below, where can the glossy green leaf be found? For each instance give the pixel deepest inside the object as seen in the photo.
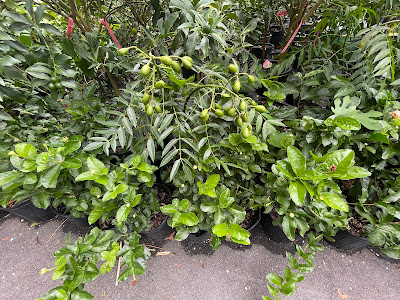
(122, 213)
(49, 177)
(297, 192)
(224, 199)
(334, 201)
(96, 166)
(296, 159)
(347, 123)
(151, 149)
(8, 177)
(189, 219)
(26, 150)
(220, 229)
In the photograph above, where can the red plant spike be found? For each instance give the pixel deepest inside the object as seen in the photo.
(70, 27)
(104, 22)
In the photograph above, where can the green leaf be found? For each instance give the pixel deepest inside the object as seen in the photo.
(342, 159)
(86, 176)
(354, 172)
(220, 230)
(95, 214)
(41, 200)
(122, 213)
(181, 234)
(286, 169)
(347, 123)
(297, 192)
(275, 279)
(168, 157)
(296, 159)
(8, 177)
(239, 235)
(235, 139)
(71, 163)
(392, 198)
(80, 295)
(224, 199)
(288, 227)
(26, 150)
(189, 219)
(334, 201)
(151, 148)
(50, 176)
(174, 169)
(58, 272)
(96, 166)
(212, 181)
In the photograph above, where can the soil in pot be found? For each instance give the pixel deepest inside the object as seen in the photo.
(351, 239)
(251, 220)
(164, 198)
(61, 211)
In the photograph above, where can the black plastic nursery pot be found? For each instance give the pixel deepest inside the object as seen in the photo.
(257, 50)
(254, 220)
(346, 241)
(275, 233)
(277, 37)
(160, 229)
(3, 213)
(26, 210)
(80, 222)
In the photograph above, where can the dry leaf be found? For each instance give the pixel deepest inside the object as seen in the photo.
(202, 263)
(178, 266)
(171, 237)
(133, 282)
(342, 296)
(5, 239)
(163, 253)
(103, 295)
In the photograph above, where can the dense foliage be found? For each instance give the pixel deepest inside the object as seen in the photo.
(201, 97)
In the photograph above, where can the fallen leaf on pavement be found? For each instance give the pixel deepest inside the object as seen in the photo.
(178, 266)
(5, 239)
(133, 282)
(171, 237)
(163, 253)
(202, 263)
(342, 296)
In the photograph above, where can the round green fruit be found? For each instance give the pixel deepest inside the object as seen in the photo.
(232, 68)
(236, 86)
(176, 66)
(54, 79)
(158, 108)
(218, 106)
(146, 98)
(149, 110)
(243, 105)
(204, 113)
(219, 112)
(187, 63)
(260, 108)
(245, 117)
(239, 122)
(123, 51)
(51, 86)
(245, 132)
(207, 28)
(134, 31)
(254, 103)
(185, 93)
(226, 110)
(58, 85)
(250, 79)
(145, 70)
(160, 84)
(166, 60)
(232, 112)
(205, 119)
(226, 95)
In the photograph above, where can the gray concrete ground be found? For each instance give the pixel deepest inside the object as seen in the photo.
(192, 272)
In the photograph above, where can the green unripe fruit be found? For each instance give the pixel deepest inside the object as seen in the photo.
(188, 58)
(219, 112)
(218, 106)
(226, 109)
(158, 108)
(123, 51)
(239, 122)
(145, 70)
(249, 126)
(146, 98)
(51, 86)
(232, 68)
(232, 112)
(226, 95)
(245, 117)
(166, 60)
(243, 105)
(254, 103)
(187, 63)
(204, 113)
(54, 79)
(245, 132)
(176, 66)
(134, 31)
(207, 28)
(250, 79)
(260, 108)
(160, 84)
(236, 86)
(149, 110)
(58, 85)
(185, 93)
(205, 119)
